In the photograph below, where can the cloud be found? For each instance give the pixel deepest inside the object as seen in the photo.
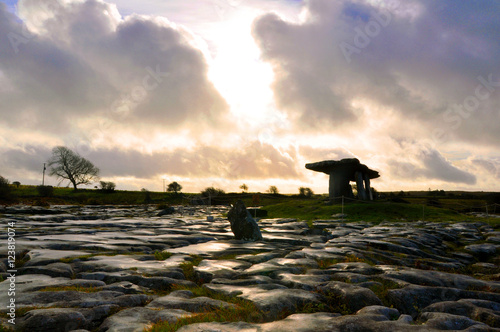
(317, 154)
(28, 158)
(82, 59)
(255, 161)
(431, 165)
(252, 161)
(414, 59)
(492, 167)
(131, 92)
(437, 167)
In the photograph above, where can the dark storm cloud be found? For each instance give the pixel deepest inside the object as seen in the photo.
(27, 158)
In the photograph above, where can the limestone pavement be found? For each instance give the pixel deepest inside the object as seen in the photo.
(108, 268)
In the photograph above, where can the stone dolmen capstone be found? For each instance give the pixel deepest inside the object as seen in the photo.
(243, 225)
(342, 172)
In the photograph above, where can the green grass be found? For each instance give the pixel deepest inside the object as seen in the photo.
(90, 289)
(188, 267)
(72, 259)
(244, 311)
(324, 264)
(29, 195)
(237, 314)
(162, 255)
(288, 206)
(382, 289)
(21, 259)
(377, 211)
(21, 312)
(87, 257)
(203, 291)
(5, 329)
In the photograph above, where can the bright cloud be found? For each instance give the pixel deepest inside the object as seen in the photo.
(226, 92)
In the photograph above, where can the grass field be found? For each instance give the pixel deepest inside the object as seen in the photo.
(394, 207)
(29, 195)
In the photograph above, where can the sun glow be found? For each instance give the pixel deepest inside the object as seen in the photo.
(237, 70)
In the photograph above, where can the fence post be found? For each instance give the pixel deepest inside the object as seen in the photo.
(342, 207)
(209, 203)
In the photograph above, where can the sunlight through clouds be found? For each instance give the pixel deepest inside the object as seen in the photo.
(230, 91)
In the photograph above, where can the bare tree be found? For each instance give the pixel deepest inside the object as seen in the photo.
(244, 187)
(67, 165)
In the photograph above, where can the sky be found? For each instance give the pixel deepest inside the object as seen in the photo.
(225, 92)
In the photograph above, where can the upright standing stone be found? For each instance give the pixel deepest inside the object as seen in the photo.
(368, 188)
(361, 187)
(244, 227)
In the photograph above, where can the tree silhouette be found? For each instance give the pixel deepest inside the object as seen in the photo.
(68, 165)
(175, 187)
(244, 187)
(4, 187)
(305, 192)
(273, 190)
(107, 187)
(212, 192)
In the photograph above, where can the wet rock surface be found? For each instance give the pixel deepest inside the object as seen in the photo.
(107, 268)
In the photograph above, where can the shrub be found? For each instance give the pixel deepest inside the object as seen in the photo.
(45, 191)
(273, 190)
(4, 187)
(305, 192)
(212, 192)
(147, 196)
(162, 255)
(107, 187)
(188, 268)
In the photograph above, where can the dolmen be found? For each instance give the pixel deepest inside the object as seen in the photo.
(342, 172)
